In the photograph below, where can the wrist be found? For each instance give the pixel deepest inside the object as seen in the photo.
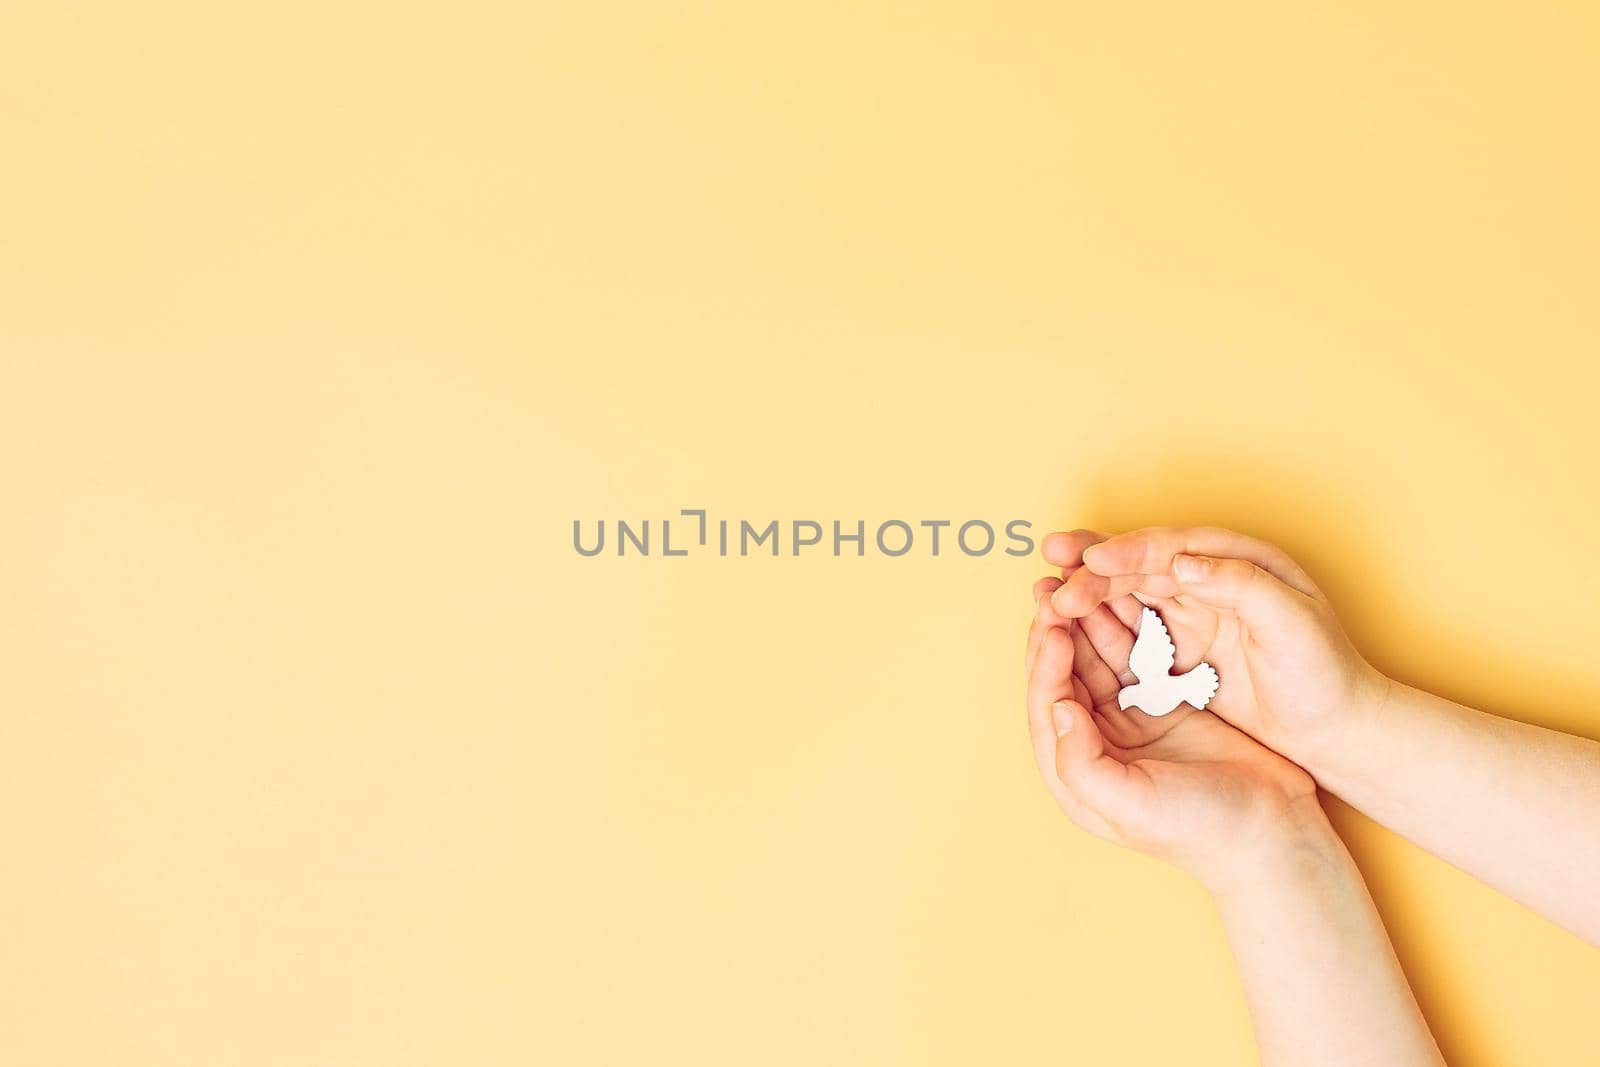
(1341, 735)
(1296, 843)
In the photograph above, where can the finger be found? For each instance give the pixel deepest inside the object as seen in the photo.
(1266, 604)
(1085, 590)
(1102, 783)
(1048, 682)
(1036, 630)
(1158, 585)
(1074, 806)
(1100, 680)
(1041, 593)
(1126, 609)
(1048, 612)
(1191, 623)
(1066, 549)
(1150, 551)
(1051, 683)
(1111, 641)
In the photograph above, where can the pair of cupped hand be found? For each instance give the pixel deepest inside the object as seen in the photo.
(1202, 789)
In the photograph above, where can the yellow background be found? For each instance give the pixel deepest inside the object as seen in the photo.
(321, 322)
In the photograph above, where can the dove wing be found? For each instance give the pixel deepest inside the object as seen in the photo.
(1153, 655)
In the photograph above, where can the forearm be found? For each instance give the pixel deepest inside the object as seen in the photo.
(1320, 976)
(1516, 805)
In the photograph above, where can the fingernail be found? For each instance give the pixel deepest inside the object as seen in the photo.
(1061, 715)
(1190, 568)
(1091, 552)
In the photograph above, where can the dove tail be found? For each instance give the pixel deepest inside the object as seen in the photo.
(1200, 685)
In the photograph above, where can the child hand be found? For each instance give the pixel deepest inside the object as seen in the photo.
(1288, 672)
(1185, 787)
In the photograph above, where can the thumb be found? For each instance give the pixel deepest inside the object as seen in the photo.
(1096, 779)
(1261, 600)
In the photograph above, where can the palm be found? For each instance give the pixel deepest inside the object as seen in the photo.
(1206, 778)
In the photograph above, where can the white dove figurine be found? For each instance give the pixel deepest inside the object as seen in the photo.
(1159, 691)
